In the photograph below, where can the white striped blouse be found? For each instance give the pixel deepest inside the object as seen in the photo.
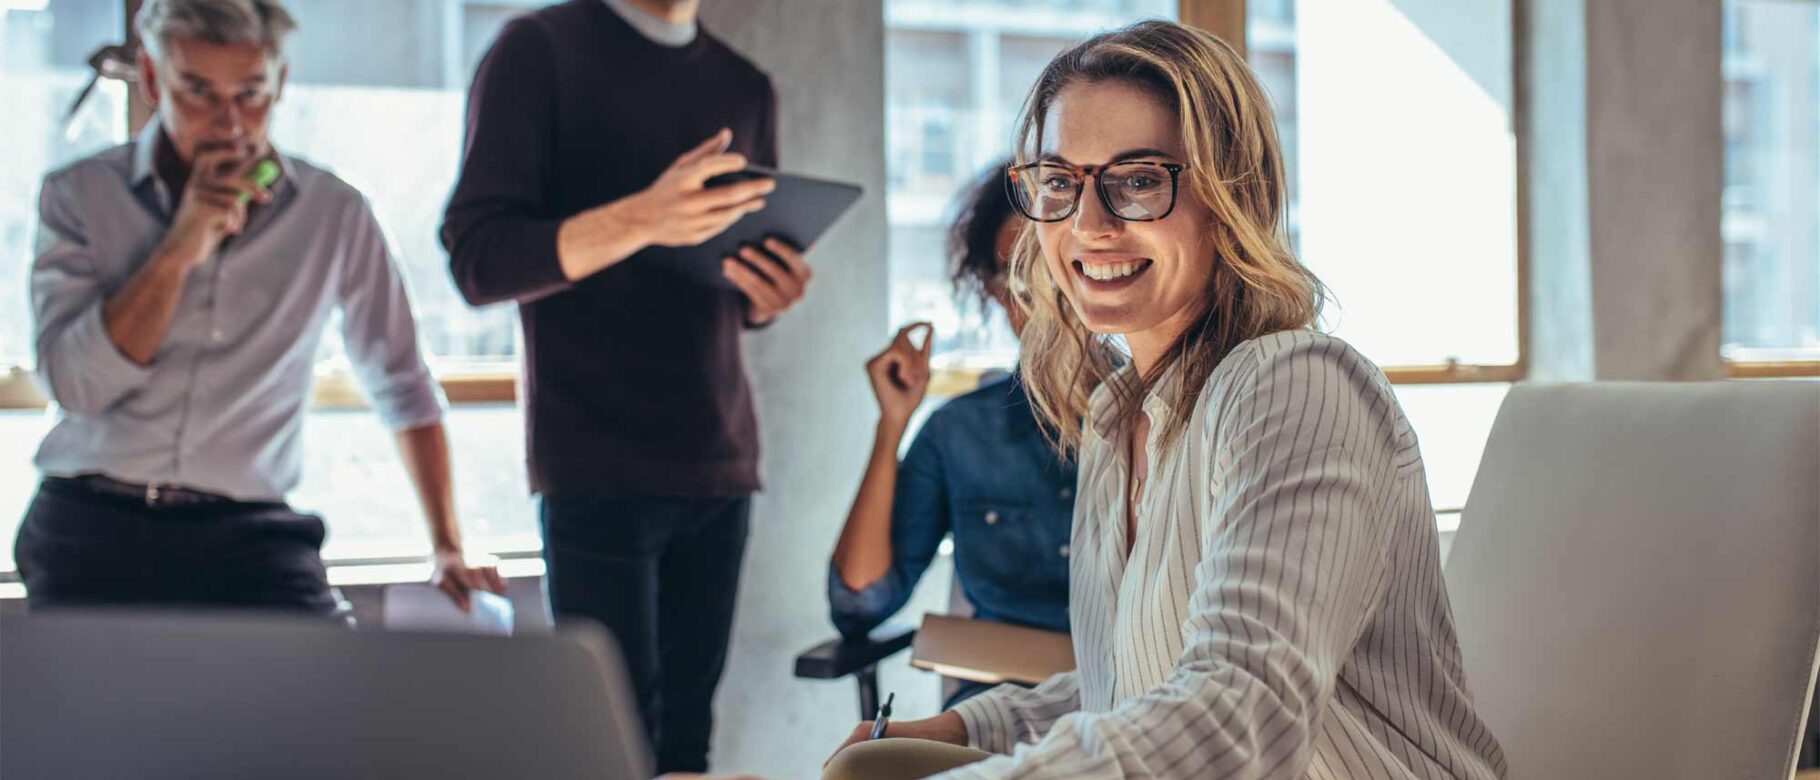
(1282, 613)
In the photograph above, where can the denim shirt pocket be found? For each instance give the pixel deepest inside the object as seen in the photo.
(996, 544)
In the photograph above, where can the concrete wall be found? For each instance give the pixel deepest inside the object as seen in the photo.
(827, 60)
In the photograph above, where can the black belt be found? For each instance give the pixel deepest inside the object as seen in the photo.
(153, 495)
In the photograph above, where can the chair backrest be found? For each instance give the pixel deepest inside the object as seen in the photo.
(1636, 578)
(214, 696)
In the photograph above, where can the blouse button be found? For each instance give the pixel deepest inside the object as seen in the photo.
(1064, 551)
(991, 517)
(1067, 493)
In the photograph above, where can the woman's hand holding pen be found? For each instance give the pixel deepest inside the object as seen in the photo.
(946, 727)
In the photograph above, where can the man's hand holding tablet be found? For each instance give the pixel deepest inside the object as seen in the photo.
(678, 209)
(761, 254)
(773, 278)
(694, 201)
(681, 209)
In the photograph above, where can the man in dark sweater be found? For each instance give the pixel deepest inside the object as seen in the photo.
(584, 152)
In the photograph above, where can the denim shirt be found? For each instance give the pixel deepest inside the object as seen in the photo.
(981, 470)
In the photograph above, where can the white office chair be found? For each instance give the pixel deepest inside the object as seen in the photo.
(1636, 578)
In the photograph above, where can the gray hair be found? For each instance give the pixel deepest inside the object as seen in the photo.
(224, 22)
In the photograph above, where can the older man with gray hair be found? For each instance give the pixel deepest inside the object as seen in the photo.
(181, 288)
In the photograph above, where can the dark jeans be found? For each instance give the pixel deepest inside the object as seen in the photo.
(661, 574)
(77, 547)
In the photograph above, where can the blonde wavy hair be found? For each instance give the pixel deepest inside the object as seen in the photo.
(1234, 168)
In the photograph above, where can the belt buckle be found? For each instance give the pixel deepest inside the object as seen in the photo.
(151, 494)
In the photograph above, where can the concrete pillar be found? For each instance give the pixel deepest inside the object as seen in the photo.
(1624, 170)
(816, 413)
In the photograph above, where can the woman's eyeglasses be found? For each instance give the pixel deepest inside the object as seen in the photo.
(1137, 191)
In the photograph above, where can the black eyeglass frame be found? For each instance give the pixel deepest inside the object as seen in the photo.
(1099, 186)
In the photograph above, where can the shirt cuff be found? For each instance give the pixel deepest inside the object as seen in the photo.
(87, 341)
(979, 714)
(410, 405)
(856, 612)
(541, 263)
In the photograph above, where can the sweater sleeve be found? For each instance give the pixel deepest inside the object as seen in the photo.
(498, 228)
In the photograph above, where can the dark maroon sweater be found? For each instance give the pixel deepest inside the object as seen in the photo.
(633, 381)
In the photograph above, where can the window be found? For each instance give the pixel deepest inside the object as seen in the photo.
(956, 74)
(1396, 118)
(346, 114)
(1398, 132)
(44, 48)
(1399, 143)
(1771, 218)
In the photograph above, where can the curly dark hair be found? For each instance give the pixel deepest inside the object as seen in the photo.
(973, 238)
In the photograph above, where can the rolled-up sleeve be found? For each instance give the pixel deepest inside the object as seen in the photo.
(1004, 717)
(377, 328)
(855, 612)
(78, 364)
(919, 521)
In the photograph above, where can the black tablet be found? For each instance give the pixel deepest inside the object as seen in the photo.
(799, 211)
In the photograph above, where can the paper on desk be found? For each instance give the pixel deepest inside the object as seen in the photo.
(420, 607)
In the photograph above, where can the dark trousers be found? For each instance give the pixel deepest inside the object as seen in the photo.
(662, 575)
(80, 548)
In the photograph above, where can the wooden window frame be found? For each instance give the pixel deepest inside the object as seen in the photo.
(1225, 18)
(1772, 369)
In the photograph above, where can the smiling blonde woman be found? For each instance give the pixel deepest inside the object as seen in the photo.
(1255, 587)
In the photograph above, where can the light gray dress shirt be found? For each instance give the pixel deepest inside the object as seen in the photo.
(1282, 613)
(220, 407)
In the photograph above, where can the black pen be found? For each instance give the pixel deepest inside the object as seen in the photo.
(884, 717)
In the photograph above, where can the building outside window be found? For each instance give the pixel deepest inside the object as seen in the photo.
(1771, 219)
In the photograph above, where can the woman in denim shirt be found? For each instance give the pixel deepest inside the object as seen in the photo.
(979, 468)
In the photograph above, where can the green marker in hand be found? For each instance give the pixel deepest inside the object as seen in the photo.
(264, 174)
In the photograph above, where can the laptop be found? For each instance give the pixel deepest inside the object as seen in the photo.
(176, 695)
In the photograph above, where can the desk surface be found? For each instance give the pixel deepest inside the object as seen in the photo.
(989, 653)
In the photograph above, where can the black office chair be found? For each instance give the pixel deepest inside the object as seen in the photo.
(839, 657)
